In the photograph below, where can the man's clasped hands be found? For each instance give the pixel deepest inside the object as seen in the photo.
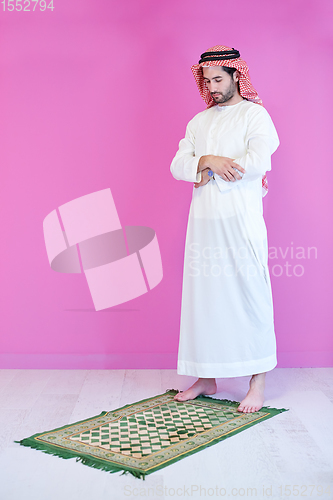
(220, 165)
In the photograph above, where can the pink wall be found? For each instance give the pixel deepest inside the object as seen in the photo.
(96, 95)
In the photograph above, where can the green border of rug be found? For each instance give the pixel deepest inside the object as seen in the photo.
(108, 465)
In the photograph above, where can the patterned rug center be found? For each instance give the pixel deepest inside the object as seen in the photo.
(145, 432)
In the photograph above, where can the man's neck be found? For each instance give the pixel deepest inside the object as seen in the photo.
(234, 100)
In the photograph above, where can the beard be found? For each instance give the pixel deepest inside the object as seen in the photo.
(220, 98)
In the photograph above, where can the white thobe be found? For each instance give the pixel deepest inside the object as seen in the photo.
(227, 324)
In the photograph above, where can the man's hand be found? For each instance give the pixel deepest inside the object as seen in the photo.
(204, 178)
(222, 166)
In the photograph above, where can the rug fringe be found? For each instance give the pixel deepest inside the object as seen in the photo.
(89, 461)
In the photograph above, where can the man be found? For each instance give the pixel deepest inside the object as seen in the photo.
(227, 327)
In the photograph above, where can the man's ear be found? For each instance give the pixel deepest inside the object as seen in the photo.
(236, 76)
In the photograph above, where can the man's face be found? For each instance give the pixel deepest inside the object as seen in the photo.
(221, 85)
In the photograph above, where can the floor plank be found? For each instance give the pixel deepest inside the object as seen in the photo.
(65, 381)
(24, 389)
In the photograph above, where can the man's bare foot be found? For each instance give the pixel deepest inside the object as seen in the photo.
(201, 386)
(255, 398)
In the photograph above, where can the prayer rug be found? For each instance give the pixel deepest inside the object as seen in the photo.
(143, 437)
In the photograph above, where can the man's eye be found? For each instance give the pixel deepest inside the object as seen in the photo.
(219, 80)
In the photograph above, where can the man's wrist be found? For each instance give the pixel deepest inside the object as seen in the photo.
(203, 163)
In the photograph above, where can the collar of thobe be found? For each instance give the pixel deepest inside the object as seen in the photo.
(231, 106)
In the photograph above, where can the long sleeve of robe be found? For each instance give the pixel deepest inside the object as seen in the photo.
(227, 325)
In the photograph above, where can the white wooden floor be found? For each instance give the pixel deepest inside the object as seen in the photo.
(292, 451)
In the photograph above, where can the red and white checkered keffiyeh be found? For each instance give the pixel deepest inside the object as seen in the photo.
(245, 86)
